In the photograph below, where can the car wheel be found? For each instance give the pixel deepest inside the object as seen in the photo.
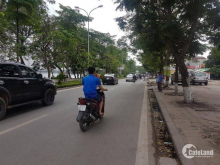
(193, 83)
(206, 83)
(200, 83)
(49, 97)
(2, 108)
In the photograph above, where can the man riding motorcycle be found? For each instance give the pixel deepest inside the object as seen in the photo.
(90, 84)
(134, 77)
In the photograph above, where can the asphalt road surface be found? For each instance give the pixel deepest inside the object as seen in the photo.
(38, 135)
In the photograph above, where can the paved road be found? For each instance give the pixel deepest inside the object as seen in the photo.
(38, 135)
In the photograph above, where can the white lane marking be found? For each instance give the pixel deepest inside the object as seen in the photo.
(21, 125)
(142, 148)
(69, 89)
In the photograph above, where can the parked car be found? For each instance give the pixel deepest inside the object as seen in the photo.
(21, 85)
(110, 79)
(199, 77)
(129, 77)
(190, 72)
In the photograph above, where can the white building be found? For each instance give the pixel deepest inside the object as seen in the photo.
(196, 62)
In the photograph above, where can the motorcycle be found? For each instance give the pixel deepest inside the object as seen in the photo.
(134, 79)
(89, 111)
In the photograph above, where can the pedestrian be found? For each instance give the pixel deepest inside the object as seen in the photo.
(159, 81)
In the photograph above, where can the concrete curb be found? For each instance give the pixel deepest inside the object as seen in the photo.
(175, 136)
(145, 149)
(70, 87)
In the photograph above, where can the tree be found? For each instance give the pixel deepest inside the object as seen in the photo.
(20, 13)
(215, 70)
(173, 27)
(213, 62)
(42, 43)
(213, 58)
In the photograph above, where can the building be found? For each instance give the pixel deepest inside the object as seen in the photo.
(196, 63)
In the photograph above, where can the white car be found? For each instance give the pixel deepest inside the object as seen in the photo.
(129, 77)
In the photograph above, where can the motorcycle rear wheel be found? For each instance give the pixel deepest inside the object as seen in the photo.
(84, 126)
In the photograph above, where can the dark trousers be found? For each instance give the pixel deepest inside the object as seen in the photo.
(159, 86)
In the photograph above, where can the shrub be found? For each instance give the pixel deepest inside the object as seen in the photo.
(60, 77)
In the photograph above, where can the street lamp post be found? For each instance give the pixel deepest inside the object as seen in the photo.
(88, 14)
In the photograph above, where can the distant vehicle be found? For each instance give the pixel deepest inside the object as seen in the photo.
(179, 77)
(129, 77)
(199, 77)
(110, 79)
(20, 85)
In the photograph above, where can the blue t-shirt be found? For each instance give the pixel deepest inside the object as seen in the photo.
(90, 83)
(159, 78)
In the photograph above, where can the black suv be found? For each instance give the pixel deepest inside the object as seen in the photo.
(21, 85)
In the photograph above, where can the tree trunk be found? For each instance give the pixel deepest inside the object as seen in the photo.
(176, 78)
(168, 66)
(46, 63)
(80, 74)
(61, 71)
(17, 36)
(186, 86)
(21, 59)
(68, 71)
(77, 74)
(161, 64)
(48, 70)
(74, 73)
(167, 81)
(52, 73)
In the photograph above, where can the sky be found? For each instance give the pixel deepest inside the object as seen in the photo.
(103, 18)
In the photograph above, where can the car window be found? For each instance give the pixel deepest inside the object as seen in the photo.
(8, 71)
(27, 72)
(32, 73)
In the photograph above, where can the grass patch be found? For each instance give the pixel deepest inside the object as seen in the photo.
(69, 84)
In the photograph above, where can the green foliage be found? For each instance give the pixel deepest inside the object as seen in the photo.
(215, 70)
(213, 58)
(69, 84)
(60, 77)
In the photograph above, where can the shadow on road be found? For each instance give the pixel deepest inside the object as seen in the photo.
(22, 110)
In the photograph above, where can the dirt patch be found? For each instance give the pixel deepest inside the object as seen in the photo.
(167, 88)
(173, 94)
(198, 106)
(209, 126)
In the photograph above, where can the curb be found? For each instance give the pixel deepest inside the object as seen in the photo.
(175, 136)
(70, 87)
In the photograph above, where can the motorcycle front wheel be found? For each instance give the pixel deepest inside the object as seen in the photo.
(84, 126)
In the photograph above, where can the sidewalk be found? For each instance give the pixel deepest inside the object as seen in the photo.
(197, 123)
